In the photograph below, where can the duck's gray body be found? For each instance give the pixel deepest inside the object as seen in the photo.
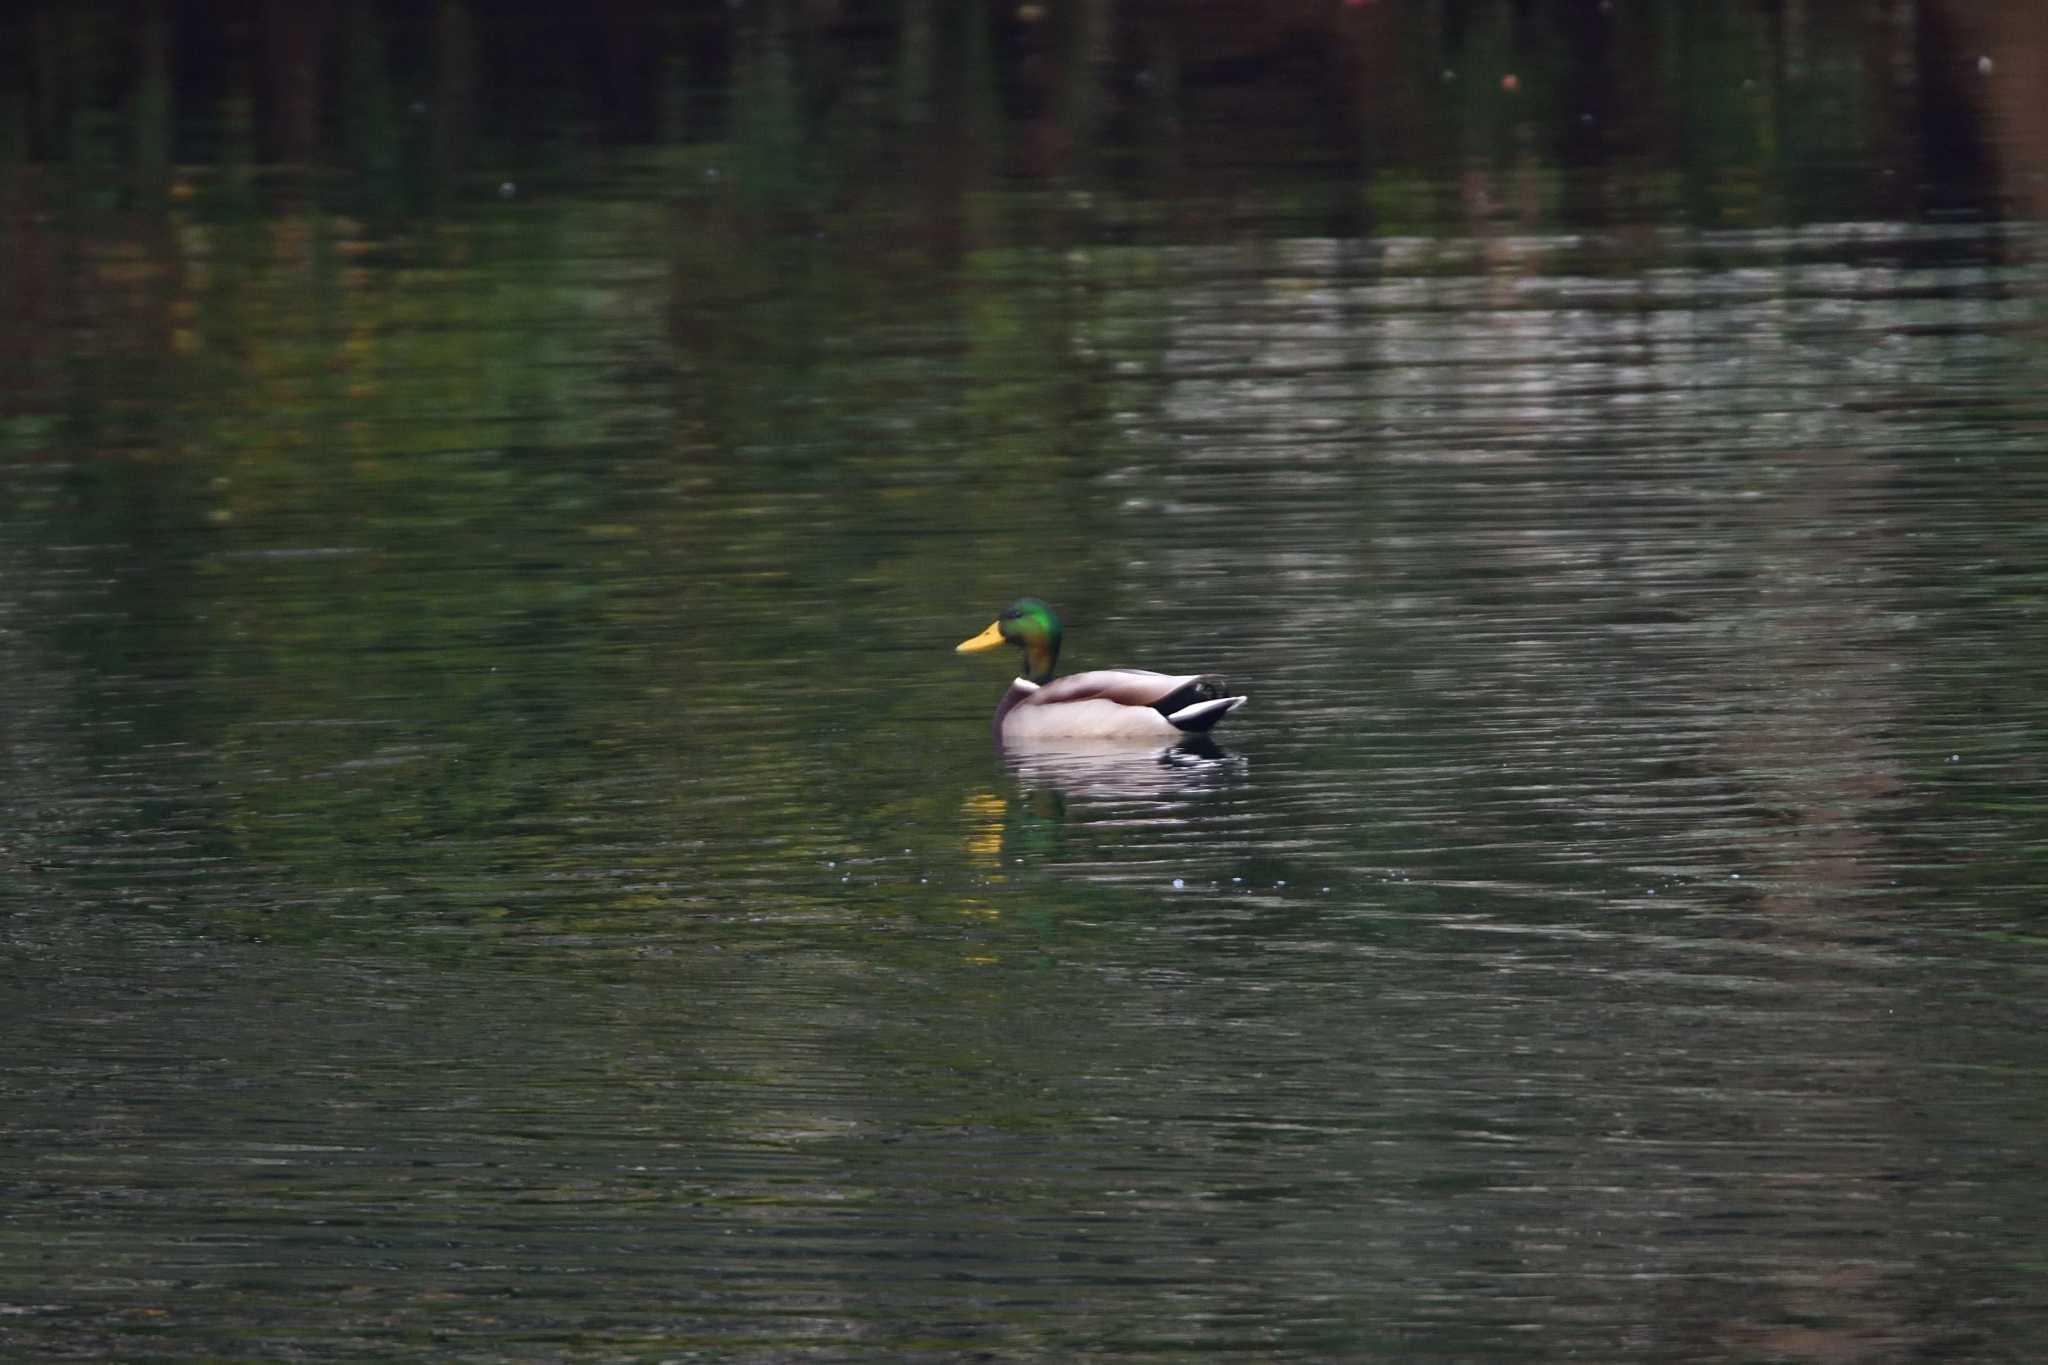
(1113, 703)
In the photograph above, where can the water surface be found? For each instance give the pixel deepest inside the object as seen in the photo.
(502, 862)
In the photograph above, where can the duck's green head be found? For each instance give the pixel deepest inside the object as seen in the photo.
(1029, 624)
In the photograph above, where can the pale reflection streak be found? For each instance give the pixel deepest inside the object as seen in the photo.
(1521, 377)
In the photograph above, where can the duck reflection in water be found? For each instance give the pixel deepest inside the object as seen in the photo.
(1064, 785)
(1124, 772)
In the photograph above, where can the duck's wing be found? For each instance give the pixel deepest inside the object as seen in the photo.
(1125, 686)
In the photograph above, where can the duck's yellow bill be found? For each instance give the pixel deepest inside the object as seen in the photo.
(988, 639)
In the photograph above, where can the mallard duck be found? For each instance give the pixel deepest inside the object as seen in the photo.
(1109, 703)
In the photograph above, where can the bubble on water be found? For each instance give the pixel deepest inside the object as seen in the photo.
(1178, 883)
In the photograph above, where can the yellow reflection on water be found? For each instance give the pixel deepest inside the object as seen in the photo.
(984, 811)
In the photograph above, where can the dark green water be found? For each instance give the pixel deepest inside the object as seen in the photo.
(499, 861)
